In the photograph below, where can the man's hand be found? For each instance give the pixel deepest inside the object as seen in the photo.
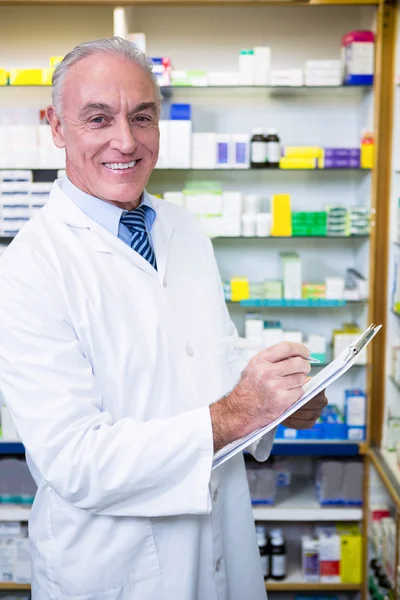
(272, 382)
(306, 416)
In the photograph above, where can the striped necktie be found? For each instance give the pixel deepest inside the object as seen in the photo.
(134, 220)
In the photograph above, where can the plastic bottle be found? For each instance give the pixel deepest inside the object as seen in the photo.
(278, 555)
(273, 149)
(258, 149)
(263, 548)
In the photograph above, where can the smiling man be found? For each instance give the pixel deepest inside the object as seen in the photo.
(112, 365)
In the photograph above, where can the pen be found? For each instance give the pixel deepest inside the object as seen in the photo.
(242, 343)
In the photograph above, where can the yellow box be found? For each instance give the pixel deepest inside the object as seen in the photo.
(303, 152)
(55, 61)
(240, 289)
(367, 156)
(47, 75)
(351, 555)
(281, 215)
(297, 163)
(3, 77)
(26, 77)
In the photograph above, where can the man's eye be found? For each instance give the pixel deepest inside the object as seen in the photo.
(97, 120)
(142, 119)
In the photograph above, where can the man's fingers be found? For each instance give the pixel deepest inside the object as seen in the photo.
(318, 402)
(292, 365)
(297, 380)
(285, 350)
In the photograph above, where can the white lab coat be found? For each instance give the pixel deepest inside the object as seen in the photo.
(108, 368)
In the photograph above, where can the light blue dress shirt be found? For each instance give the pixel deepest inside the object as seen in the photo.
(105, 214)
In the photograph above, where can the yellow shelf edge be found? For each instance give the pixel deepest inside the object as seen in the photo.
(304, 586)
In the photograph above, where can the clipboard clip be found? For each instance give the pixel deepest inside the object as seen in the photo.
(362, 341)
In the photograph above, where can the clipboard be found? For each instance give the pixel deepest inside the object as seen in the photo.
(323, 379)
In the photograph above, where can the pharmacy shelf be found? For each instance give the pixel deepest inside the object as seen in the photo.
(319, 303)
(318, 448)
(395, 383)
(219, 171)
(298, 503)
(295, 583)
(14, 586)
(14, 512)
(271, 238)
(267, 170)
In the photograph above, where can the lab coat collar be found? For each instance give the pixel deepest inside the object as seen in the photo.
(104, 241)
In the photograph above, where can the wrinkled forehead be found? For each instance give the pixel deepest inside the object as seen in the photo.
(108, 80)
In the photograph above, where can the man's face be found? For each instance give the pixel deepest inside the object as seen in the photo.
(109, 128)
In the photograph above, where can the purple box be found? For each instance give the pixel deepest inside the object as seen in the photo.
(342, 153)
(341, 163)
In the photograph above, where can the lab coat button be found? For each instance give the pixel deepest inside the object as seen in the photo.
(216, 495)
(218, 565)
(189, 351)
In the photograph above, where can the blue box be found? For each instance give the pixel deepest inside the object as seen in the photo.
(181, 112)
(358, 80)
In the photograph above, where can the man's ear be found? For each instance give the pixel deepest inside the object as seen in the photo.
(56, 127)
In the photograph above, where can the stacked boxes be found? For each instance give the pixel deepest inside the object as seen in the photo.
(333, 555)
(360, 222)
(323, 73)
(309, 223)
(20, 199)
(333, 424)
(340, 158)
(337, 221)
(292, 279)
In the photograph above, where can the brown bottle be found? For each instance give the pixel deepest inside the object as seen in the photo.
(258, 149)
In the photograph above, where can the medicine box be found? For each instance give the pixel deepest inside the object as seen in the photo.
(292, 277)
(357, 54)
(329, 557)
(203, 150)
(355, 414)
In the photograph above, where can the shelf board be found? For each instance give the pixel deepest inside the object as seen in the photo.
(11, 448)
(306, 447)
(295, 583)
(296, 303)
(270, 238)
(298, 503)
(14, 512)
(269, 170)
(14, 586)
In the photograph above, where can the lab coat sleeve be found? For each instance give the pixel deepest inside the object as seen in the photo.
(238, 359)
(119, 468)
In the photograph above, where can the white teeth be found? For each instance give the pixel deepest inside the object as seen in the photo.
(117, 166)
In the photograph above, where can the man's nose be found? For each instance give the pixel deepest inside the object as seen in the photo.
(123, 138)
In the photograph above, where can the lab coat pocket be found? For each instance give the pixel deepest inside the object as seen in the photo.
(92, 553)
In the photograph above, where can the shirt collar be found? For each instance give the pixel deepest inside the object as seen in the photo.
(105, 214)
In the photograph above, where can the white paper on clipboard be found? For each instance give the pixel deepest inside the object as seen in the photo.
(323, 379)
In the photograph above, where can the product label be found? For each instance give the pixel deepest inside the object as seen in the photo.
(264, 565)
(259, 152)
(274, 152)
(278, 565)
(240, 156)
(222, 153)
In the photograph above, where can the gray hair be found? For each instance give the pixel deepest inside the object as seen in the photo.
(115, 45)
